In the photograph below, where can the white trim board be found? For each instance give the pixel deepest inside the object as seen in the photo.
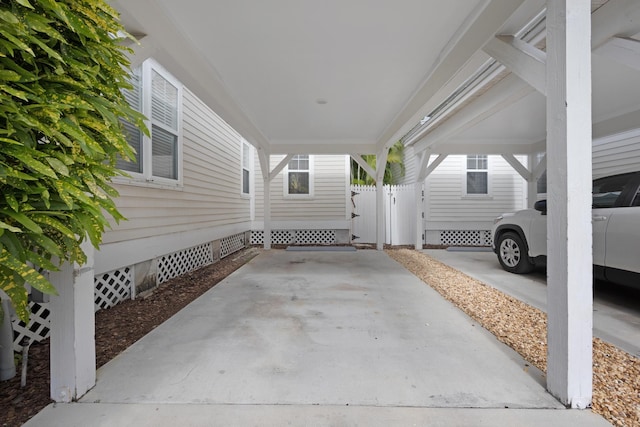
(115, 255)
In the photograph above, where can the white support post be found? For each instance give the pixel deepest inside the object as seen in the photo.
(267, 206)
(381, 162)
(532, 184)
(569, 270)
(419, 198)
(380, 216)
(73, 349)
(265, 167)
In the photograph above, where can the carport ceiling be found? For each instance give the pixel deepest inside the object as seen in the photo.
(335, 76)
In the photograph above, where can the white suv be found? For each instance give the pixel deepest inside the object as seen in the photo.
(520, 238)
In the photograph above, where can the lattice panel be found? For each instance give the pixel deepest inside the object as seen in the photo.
(281, 237)
(37, 329)
(460, 237)
(487, 238)
(231, 244)
(112, 288)
(177, 263)
(287, 237)
(257, 237)
(326, 237)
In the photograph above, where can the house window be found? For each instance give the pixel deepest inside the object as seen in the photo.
(158, 96)
(132, 133)
(299, 180)
(477, 174)
(246, 168)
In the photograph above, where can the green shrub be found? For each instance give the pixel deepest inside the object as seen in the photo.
(62, 71)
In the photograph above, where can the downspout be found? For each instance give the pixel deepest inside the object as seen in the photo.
(7, 362)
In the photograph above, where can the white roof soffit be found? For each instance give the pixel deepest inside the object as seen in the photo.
(317, 77)
(615, 34)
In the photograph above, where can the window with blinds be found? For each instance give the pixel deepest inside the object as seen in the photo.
(158, 96)
(164, 130)
(477, 174)
(246, 168)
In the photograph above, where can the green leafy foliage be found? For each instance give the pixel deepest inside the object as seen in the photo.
(393, 172)
(62, 72)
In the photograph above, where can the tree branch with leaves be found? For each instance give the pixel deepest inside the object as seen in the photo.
(62, 72)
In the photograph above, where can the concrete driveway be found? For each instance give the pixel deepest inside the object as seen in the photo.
(616, 310)
(318, 338)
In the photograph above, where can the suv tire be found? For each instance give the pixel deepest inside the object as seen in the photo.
(512, 253)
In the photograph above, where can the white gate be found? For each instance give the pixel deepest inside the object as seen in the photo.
(364, 213)
(399, 214)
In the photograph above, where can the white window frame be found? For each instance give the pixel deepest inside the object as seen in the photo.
(311, 179)
(466, 193)
(246, 148)
(146, 178)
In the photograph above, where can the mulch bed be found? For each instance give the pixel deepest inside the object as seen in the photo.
(116, 329)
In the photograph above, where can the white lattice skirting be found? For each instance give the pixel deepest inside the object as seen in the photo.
(37, 329)
(178, 263)
(112, 288)
(465, 237)
(231, 244)
(116, 286)
(291, 237)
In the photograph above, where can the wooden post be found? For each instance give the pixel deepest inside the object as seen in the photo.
(73, 348)
(532, 184)
(380, 216)
(267, 208)
(569, 270)
(419, 212)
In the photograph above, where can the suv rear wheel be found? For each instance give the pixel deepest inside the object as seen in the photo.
(512, 254)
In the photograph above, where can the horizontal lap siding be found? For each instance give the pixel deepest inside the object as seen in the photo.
(328, 202)
(210, 195)
(446, 201)
(617, 156)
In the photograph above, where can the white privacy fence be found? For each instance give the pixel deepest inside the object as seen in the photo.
(400, 214)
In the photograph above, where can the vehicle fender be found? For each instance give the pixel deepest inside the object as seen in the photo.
(509, 227)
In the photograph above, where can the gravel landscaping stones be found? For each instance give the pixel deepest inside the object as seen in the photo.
(616, 374)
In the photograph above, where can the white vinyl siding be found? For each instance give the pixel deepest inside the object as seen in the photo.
(209, 196)
(409, 160)
(329, 199)
(616, 154)
(445, 203)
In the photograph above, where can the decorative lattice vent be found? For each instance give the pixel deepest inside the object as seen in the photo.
(177, 263)
(302, 237)
(37, 329)
(112, 288)
(231, 244)
(486, 237)
(326, 237)
(278, 237)
(465, 237)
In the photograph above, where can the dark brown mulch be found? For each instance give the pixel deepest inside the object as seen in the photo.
(116, 329)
